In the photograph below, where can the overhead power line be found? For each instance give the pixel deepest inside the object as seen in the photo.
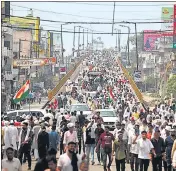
(90, 22)
(125, 5)
(74, 15)
(64, 31)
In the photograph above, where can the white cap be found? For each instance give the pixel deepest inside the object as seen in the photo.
(123, 122)
(23, 116)
(6, 123)
(168, 128)
(36, 122)
(69, 125)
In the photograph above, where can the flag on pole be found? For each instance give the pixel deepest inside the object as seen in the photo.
(22, 93)
(111, 95)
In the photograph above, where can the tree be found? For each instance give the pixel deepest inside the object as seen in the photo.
(171, 86)
(140, 41)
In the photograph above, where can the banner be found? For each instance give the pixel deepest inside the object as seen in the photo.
(137, 76)
(174, 30)
(151, 40)
(62, 69)
(33, 62)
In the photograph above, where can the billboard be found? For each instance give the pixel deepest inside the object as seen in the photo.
(151, 40)
(137, 76)
(174, 29)
(26, 22)
(33, 62)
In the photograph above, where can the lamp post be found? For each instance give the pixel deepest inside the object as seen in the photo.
(128, 42)
(118, 31)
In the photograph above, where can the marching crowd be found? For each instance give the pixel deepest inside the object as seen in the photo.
(142, 135)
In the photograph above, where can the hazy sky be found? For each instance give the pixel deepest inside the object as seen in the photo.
(93, 11)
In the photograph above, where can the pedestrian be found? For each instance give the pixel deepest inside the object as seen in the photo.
(120, 148)
(70, 161)
(73, 118)
(70, 136)
(90, 141)
(105, 142)
(133, 148)
(159, 147)
(25, 142)
(81, 119)
(79, 131)
(173, 154)
(54, 139)
(10, 163)
(43, 142)
(11, 137)
(98, 132)
(42, 164)
(52, 164)
(144, 146)
(35, 130)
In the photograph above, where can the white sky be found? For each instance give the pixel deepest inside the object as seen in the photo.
(94, 11)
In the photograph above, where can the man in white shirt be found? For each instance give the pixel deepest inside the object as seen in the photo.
(144, 146)
(11, 163)
(73, 118)
(70, 161)
(70, 136)
(133, 148)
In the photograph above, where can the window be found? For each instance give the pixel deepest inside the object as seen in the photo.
(12, 115)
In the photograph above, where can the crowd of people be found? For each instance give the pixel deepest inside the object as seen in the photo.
(141, 135)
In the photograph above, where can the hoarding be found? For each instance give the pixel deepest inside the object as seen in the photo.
(137, 76)
(151, 40)
(26, 22)
(33, 62)
(62, 69)
(174, 30)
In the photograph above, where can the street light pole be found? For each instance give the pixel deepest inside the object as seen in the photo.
(62, 52)
(87, 38)
(74, 41)
(83, 39)
(78, 41)
(137, 58)
(119, 31)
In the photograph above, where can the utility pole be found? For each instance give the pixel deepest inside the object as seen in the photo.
(74, 41)
(92, 40)
(78, 41)
(128, 45)
(62, 52)
(137, 58)
(119, 31)
(83, 39)
(87, 38)
(113, 19)
(116, 40)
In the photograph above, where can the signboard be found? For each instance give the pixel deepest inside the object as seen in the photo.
(62, 69)
(174, 30)
(33, 62)
(167, 18)
(151, 40)
(137, 76)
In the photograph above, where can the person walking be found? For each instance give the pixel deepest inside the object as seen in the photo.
(54, 139)
(35, 130)
(25, 142)
(120, 148)
(90, 141)
(43, 142)
(105, 142)
(10, 163)
(79, 131)
(145, 146)
(98, 132)
(159, 147)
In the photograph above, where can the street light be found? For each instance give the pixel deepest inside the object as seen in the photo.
(128, 42)
(137, 58)
(119, 31)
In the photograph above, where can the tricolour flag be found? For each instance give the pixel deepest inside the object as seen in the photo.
(111, 95)
(22, 93)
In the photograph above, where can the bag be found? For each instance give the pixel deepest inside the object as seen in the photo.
(107, 149)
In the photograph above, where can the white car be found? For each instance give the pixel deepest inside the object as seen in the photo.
(81, 107)
(109, 117)
(15, 113)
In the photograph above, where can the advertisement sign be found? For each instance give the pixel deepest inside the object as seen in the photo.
(26, 22)
(174, 30)
(137, 76)
(62, 69)
(33, 62)
(151, 40)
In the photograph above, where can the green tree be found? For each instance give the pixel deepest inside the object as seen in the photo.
(171, 86)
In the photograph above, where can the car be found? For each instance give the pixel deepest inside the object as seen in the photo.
(109, 117)
(15, 113)
(81, 107)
